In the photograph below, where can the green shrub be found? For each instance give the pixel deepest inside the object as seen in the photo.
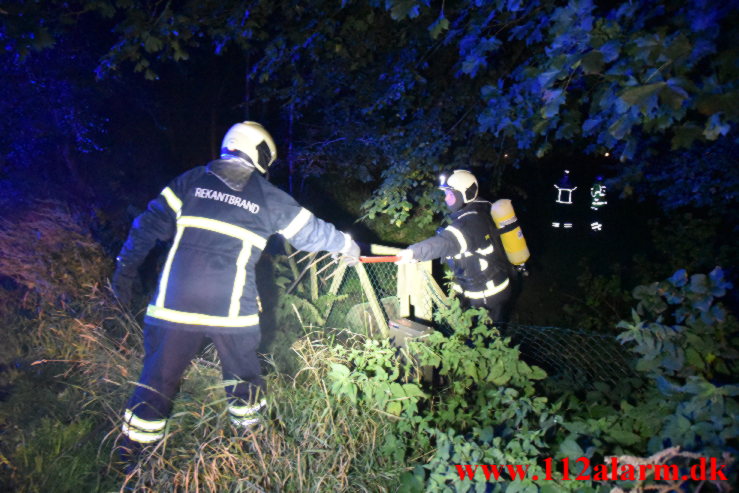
(486, 410)
(686, 407)
(686, 341)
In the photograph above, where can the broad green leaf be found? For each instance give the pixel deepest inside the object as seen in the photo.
(623, 437)
(640, 95)
(152, 44)
(673, 96)
(410, 483)
(592, 62)
(570, 448)
(403, 8)
(537, 373)
(394, 408)
(620, 127)
(413, 390)
(339, 370)
(441, 24)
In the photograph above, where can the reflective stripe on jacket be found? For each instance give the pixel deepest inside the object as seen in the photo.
(218, 234)
(472, 249)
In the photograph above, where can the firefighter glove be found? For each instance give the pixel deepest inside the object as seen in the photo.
(350, 253)
(406, 257)
(122, 284)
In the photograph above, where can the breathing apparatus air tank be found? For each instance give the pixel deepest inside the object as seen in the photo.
(510, 232)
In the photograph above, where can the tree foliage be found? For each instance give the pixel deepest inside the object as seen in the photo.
(398, 90)
(51, 121)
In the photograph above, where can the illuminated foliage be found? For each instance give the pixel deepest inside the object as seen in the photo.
(399, 89)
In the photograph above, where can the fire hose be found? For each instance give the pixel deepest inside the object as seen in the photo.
(373, 260)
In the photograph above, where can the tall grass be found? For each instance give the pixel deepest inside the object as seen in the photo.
(308, 442)
(62, 418)
(71, 357)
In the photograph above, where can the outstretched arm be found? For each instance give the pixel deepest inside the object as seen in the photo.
(304, 230)
(447, 243)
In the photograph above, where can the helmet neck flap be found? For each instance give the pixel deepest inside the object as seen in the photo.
(233, 171)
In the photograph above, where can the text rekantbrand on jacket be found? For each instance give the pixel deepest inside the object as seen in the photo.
(206, 193)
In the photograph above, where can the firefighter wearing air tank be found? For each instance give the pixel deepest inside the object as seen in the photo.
(473, 244)
(597, 201)
(219, 218)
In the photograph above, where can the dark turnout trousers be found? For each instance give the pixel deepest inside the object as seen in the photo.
(168, 352)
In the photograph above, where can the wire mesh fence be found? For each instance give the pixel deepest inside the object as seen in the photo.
(353, 307)
(579, 357)
(366, 297)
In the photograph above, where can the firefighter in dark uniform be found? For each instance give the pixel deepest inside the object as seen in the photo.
(471, 246)
(219, 218)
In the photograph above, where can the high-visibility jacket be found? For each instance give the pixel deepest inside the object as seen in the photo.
(218, 234)
(472, 249)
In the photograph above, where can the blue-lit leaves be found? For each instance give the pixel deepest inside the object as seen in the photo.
(704, 15)
(571, 27)
(398, 82)
(591, 124)
(513, 5)
(468, 43)
(530, 72)
(679, 278)
(718, 283)
(715, 126)
(546, 79)
(553, 99)
(644, 97)
(673, 94)
(507, 116)
(475, 52)
(625, 10)
(531, 32)
(610, 50)
(400, 9)
(440, 25)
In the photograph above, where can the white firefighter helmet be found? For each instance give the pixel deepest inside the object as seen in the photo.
(463, 182)
(250, 141)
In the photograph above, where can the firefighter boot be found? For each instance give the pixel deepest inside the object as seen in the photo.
(246, 421)
(130, 453)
